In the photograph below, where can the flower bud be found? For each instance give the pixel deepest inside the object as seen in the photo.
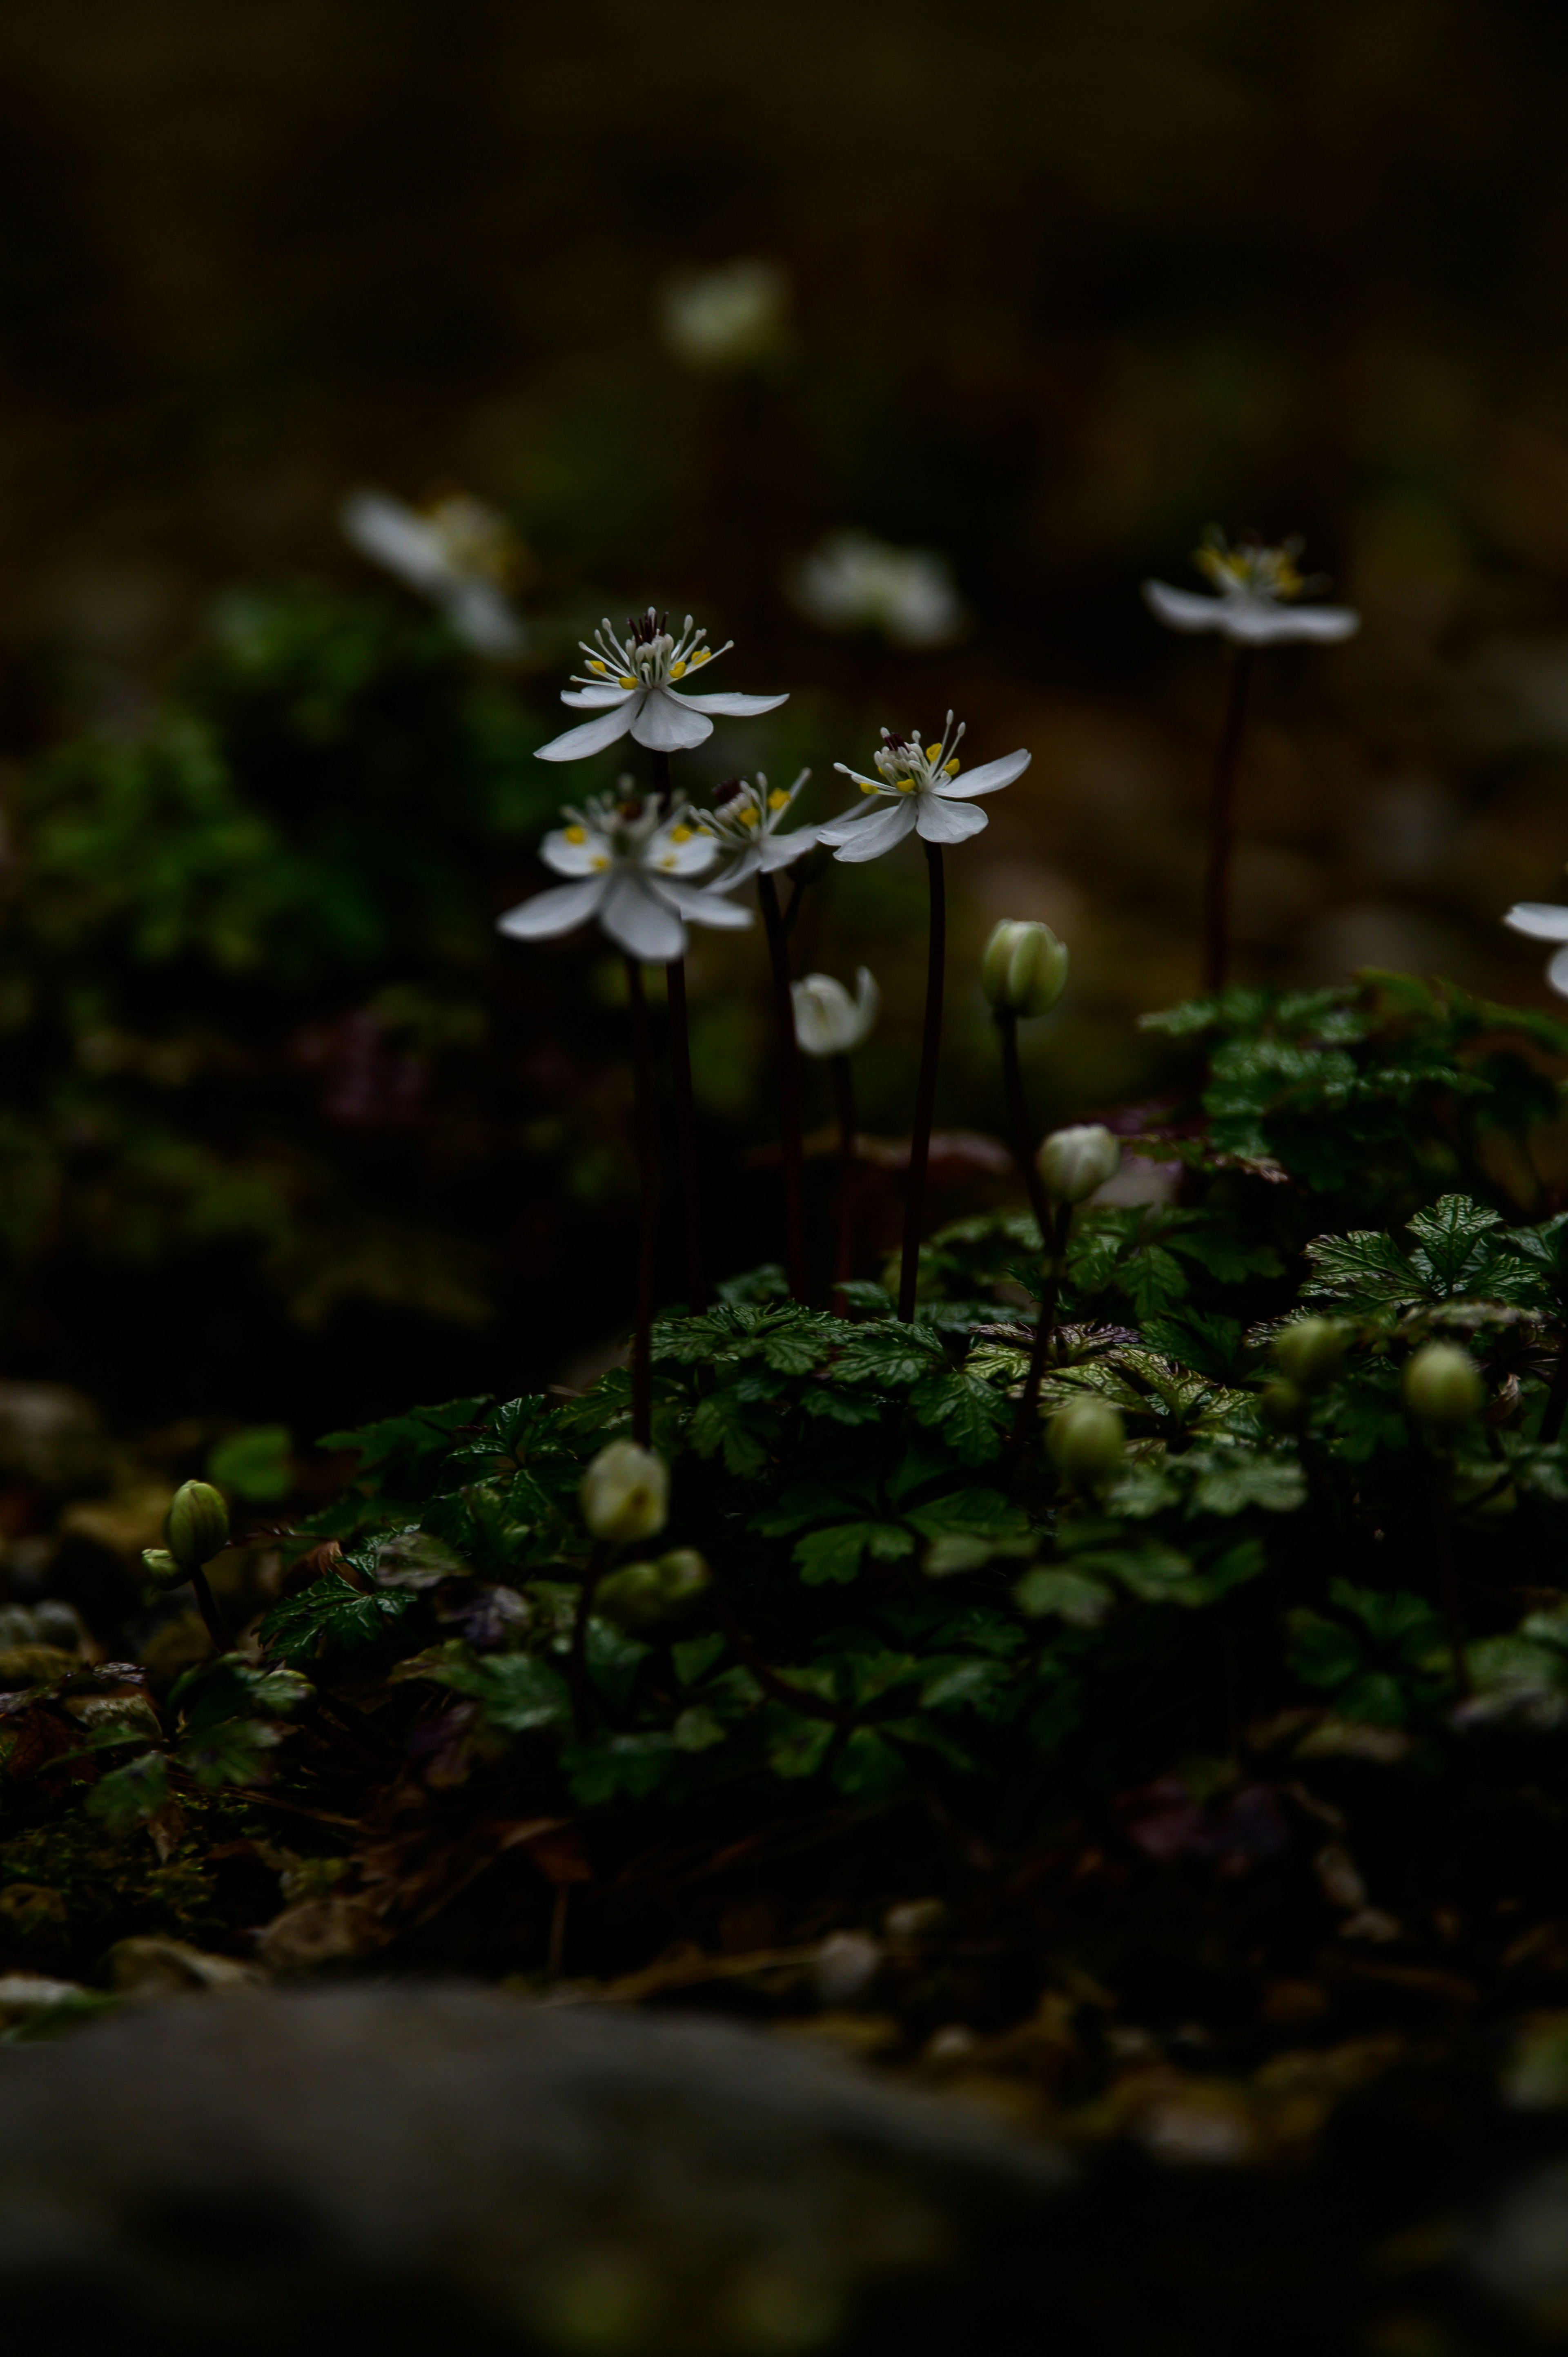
(162, 1569)
(1085, 1441)
(652, 1591)
(625, 1493)
(1442, 1385)
(197, 1525)
(828, 1021)
(1024, 968)
(683, 1574)
(1284, 1405)
(1074, 1162)
(1310, 1351)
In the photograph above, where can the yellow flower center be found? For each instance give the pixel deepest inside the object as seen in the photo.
(680, 834)
(950, 768)
(576, 834)
(751, 816)
(777, 798)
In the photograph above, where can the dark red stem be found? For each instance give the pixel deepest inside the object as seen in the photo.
(789, 1089)
(1019, 1122)
(686, 1135)
(1029, 1406)
(843, 1104)
(207, 1605)
(1222, 827)
(926, 1095)
(646, 1211)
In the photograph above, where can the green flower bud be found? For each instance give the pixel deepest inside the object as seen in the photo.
(1085, 1441)
(162, 1569)
(1284, 1405)
(1074, 1162)
(683, 1574)
(1023, 970)
(1442, 1385)
(197, 1526)
(652, 1591)
(625, 1493)
(1310, 1351)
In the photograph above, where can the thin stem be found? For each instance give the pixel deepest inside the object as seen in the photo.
(1222, 827)
(1029, 1406)
(1019, 1122)
(646, 1211)
(207, 1605)
(797, 894)
(1447, 1577)
(926, 1095)
(686, 1135)
(789, 1089)
(844, 1104)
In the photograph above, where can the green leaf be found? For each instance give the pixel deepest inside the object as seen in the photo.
(977, 1514)
(695, 1657)
(1324, 1652)
(128, 1796)
(891, 1354)
(868, 1767)
(799, 1745)
(256, 1464)
(1080, 1601)
(834, 1555)
(630, 1764)
(722, 1423)
(1231, 1479)
(331, 1611)
(968, 1412)
(1449, 1240)
(1364, 1270)
(233, 1752)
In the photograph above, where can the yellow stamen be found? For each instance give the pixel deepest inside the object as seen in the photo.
(626, 679)
(931, 752)
(950, 768)
(680, 834)
(576, 834)
(904, 785)
(595, 664)
(677, 670)
(866, 785)
(704, 654)
(751, 816)
(600, 860)
(777, 798)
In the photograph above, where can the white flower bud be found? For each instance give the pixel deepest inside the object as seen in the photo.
(625, 1493)
(652, 1591)
(1074, 1162)
(1442, 1385)
(1310, 1351)
(1085, 1441)
(828, 1021)
(1024, 968)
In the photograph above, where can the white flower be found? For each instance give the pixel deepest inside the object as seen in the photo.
(852, 581)
(632, 686)
(828, 1021)
(1074, 1162)
(457, 551)
(633, 871)
(625, 1496)
(724, 319)
(1255, 585)
(923, 790)
(1543, 922)
(744, 826)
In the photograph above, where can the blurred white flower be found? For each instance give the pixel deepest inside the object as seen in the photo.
(852, 581)
(924, 791)
(456, 551)
(633, 870)
(724, 319)
(630, 685)
(744, 820)
(1255, 586)
(1074, 1162)
(1543, 922)
(828, 1021)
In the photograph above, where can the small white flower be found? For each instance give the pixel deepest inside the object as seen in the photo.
(924, 790)
(745, 823)
(1074, 1162)
(633, 870)
(1543, 922)
(457, 551)
(852, 581)
(632, 685)
(1255, 585)
(724, 319)
(828, 1021)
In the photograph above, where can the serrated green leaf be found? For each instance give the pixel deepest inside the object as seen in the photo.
(721, 1423)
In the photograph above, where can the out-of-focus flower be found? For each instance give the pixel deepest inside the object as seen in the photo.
(633, 869)
(828, 1021)
(632, 686)
(1086, 1440)
(456, 551)
(1442, 1385)
(744, 820)
(197, 1525)
(1255, 587)
(1024, 968)
(724, 319)
(1074, 1162)
(924, 791)
(852, 581)
(1543, 922)
(625, 1494)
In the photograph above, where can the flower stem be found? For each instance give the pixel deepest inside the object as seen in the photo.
(646, 1211)
(1019, 1122)
(926, 1095)
(207, 1605)
(789, 1089)
(686, 1135)
(1222, 826)
(844, 1257)
(1029, 1406)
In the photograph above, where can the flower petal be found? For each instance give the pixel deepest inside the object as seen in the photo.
(1557, 974)
(391, 535)
(559, 910)
(868, 838)
(665, 727)
(587, 857)
(483, 620)
(944, 822)
(640, 921)
(729, 706)
(1182, 609)
(702, 904)
(1540, 920)
(664, 855)
(781, 850)
(1262, 622)
(986, 779)
(592, 736)
(596, 699)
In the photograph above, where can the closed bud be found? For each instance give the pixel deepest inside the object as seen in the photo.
(1085, 1441)
(1023, 970)
(197, 1526)
(625, 1493)
(162, 1569)
(1310, 1351)
(1284, 1405)
(828, 1021)
(652, 1591)
(683, 1574)
(1442, 1385)
(1074, 1162)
